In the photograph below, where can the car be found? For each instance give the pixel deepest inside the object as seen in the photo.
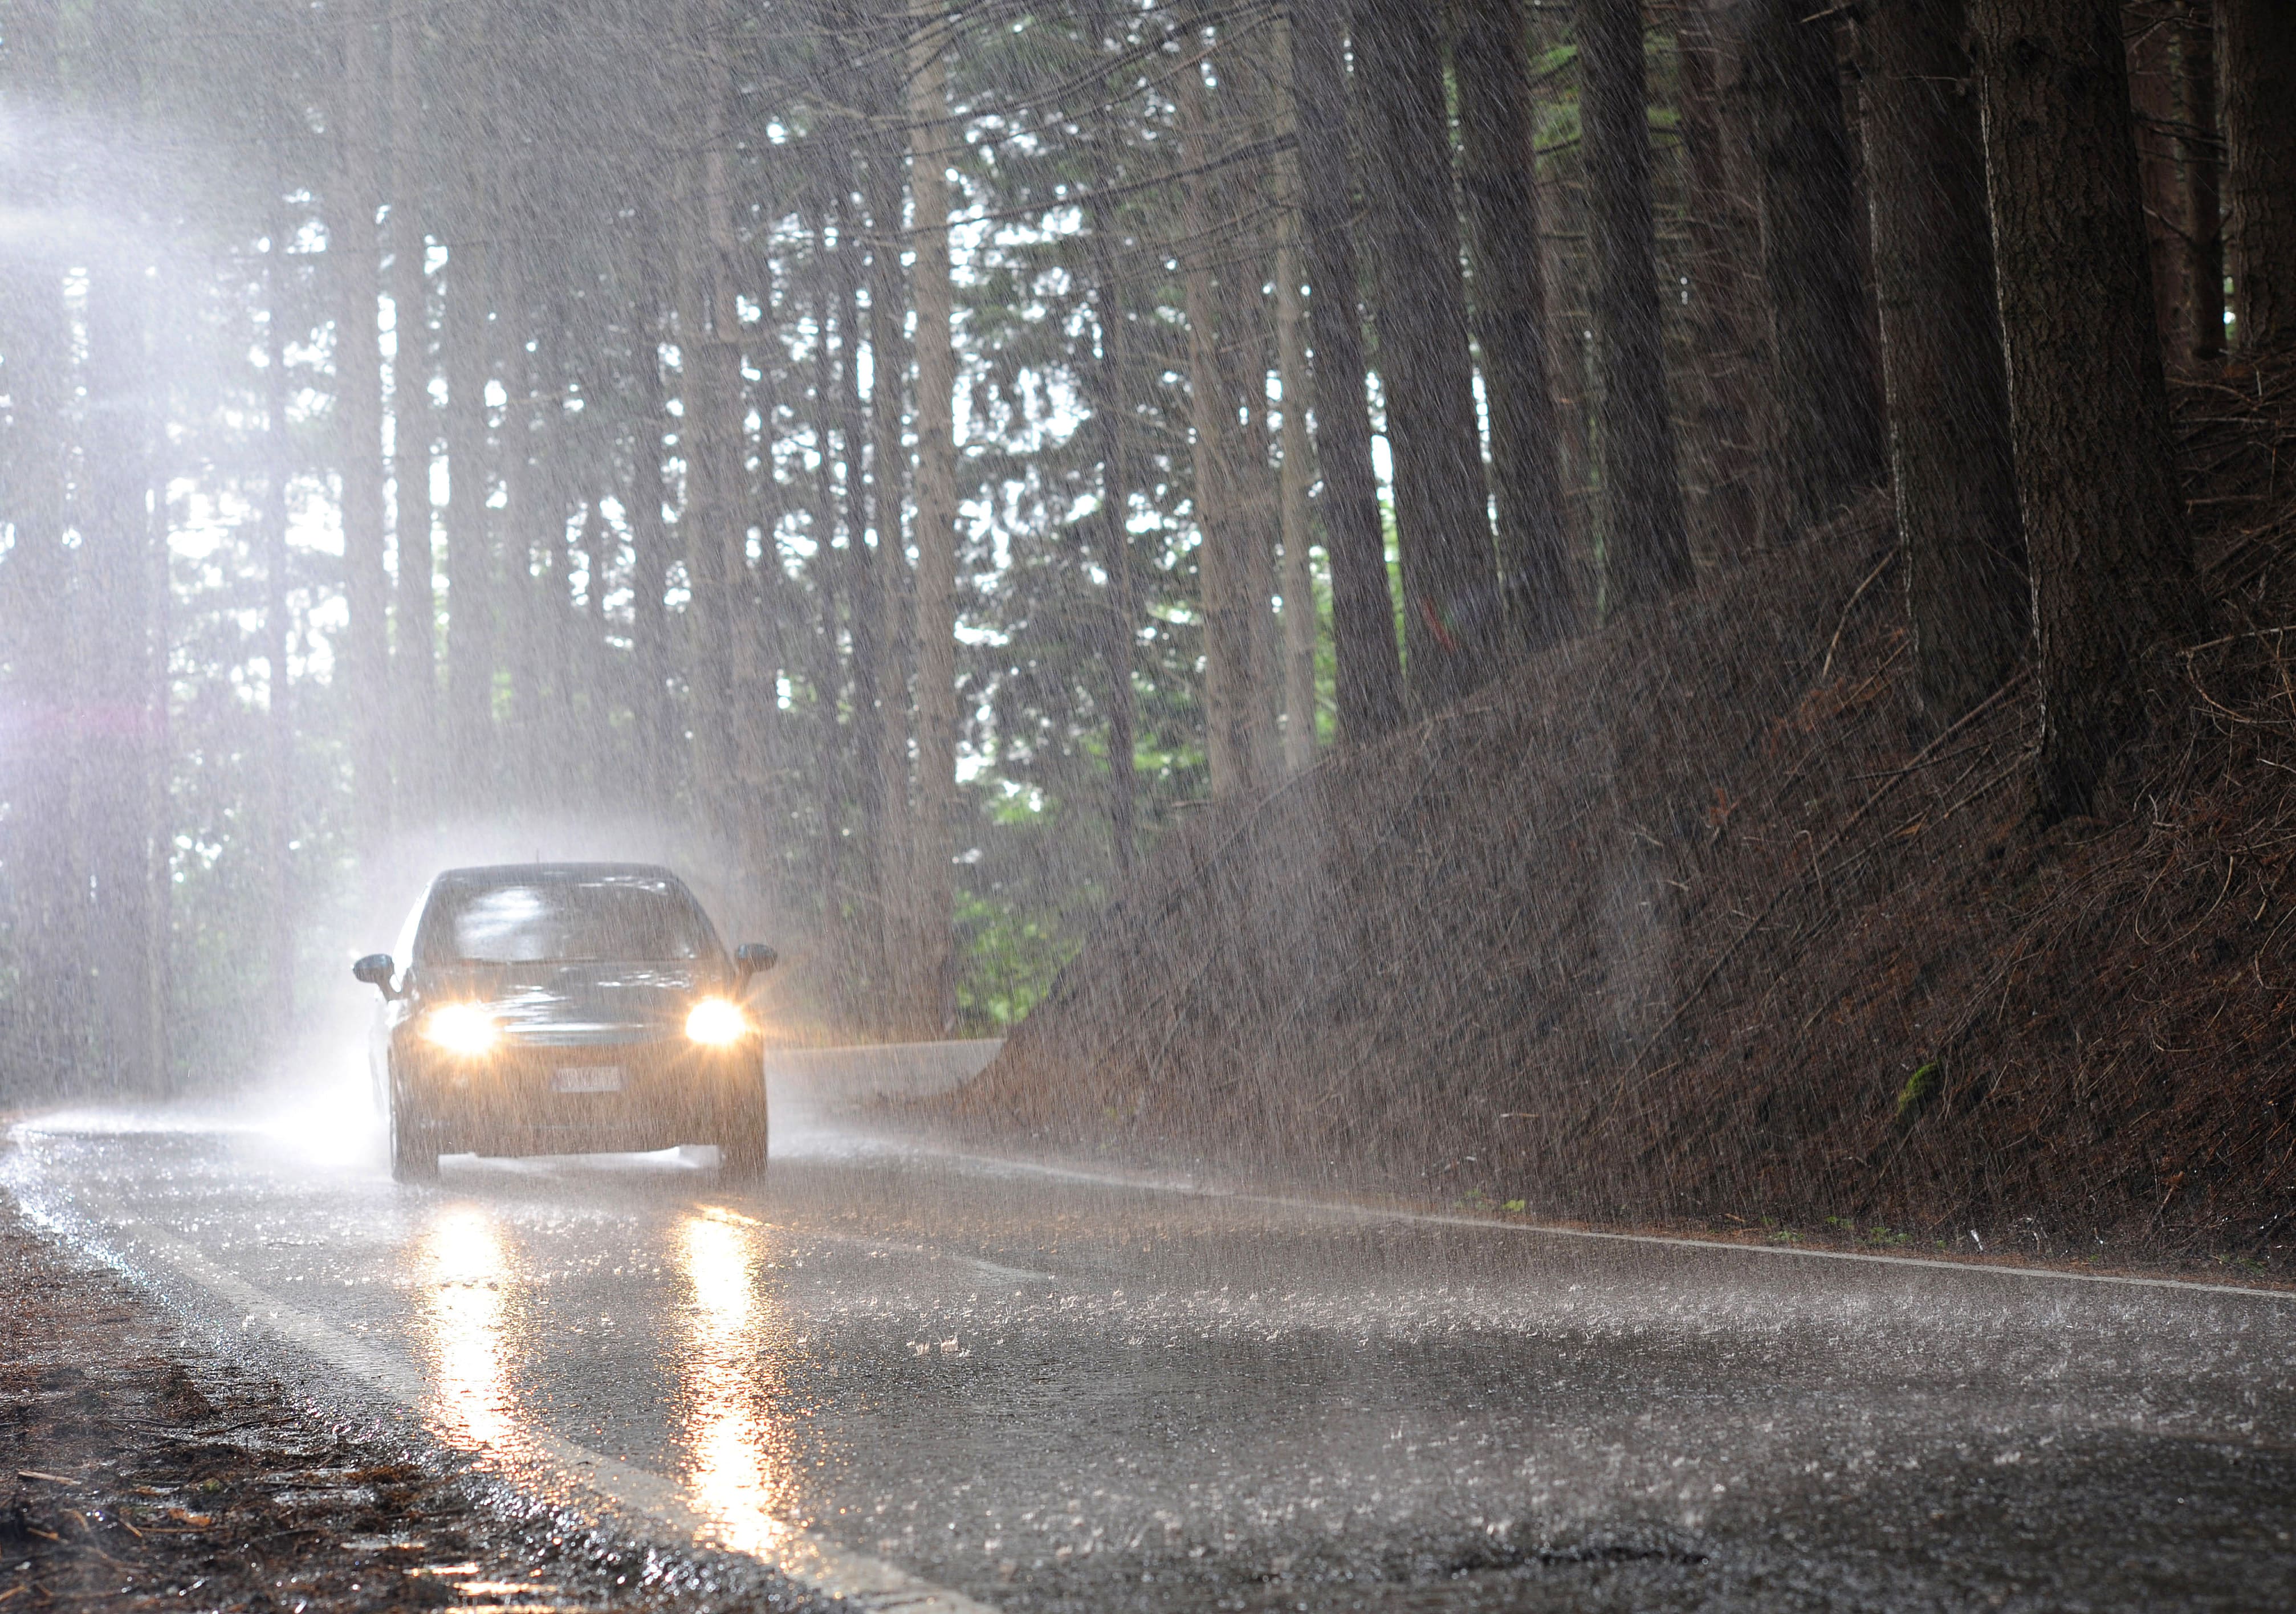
(566, 1008)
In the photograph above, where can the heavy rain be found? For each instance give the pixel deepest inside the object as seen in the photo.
(1147, 805)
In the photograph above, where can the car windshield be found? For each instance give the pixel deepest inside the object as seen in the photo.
(606, 919)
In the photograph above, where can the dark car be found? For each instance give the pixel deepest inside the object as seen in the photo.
(562, 1008)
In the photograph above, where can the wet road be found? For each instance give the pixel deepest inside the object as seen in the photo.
(1035, 1390)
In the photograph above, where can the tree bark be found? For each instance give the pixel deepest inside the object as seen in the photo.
(2256, 45)
(50, 906)
(2112, 559)
(1645, 549)
(158, 739)
(887, 467)
(1500, 186)
(527, 427)
(831, 781)
(865, 613)
(653, 709)
(1441, 502)
(2151, 90)
(1230, 741)
(2201, 152)
(415, 673)
(1828, 381)
(565, 763)
(471, 590)
(1242, 333)
(354, 254)
(761, 602)
(1297, 476)
(929, 137)
(1113, 412)
(278, 864)
(1953, 469)
(115, 559)
(713, 522)
(1721, 338)
(1369, 668)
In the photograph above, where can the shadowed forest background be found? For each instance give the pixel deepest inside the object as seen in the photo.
(1426, 578)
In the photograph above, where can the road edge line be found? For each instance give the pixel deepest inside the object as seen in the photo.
(813, 1563)
(1437, 1218)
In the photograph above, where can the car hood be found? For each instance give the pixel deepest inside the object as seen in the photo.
(577, 1004)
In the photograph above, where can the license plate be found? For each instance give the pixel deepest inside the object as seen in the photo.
(586, 1078)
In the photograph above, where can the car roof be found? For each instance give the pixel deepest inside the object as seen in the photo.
(529, 873)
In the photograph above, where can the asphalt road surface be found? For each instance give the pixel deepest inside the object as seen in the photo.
(938, 1382)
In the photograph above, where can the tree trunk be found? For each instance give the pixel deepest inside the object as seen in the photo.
(608, 773)
(1369, 668)
(278, 863)
(567, 765)
(528, 432)
(761, 595)
(414, 672)
(2153, 90)
(1298, 474)
(865, 929)
(50, 902)
(471, 590)
(353, 253)
(2256, 45)
(935, 895)
(2201, 152)
(1498, 123)
(115, 558)
(1953, 470)
(831, 781)
(1113, 412)
(1440, 500)
(1230, 742)
(714, 519)
(1828, 381)
(651, 709)
(2111, 557)
(1645, 549)
(1721, 340)
(1247, 351)
(1243, 331)
(159, 740)
(888, 466)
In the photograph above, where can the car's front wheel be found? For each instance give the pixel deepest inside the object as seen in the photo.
(742, 1133)
(413, 1137)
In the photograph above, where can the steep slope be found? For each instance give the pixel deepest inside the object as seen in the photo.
(1687, 922)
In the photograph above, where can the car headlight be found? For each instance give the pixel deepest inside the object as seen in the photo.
(717, 1023)
(466, 1029)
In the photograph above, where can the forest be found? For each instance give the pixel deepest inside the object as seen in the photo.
(1076, 505)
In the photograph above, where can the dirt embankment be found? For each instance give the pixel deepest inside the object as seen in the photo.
(1691, 922)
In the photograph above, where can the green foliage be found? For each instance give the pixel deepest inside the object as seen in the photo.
(1010, 959)
(1919, 1088)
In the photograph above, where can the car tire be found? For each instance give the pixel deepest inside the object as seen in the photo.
(413, 1139)
(742, 1137)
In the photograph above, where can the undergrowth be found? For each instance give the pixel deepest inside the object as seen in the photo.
(1695, 917)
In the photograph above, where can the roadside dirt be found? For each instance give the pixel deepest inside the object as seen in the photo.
(1691, 923)
(139, 1471)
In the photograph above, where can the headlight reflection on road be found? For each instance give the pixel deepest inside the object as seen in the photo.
(465, 1265)
(735, 1482)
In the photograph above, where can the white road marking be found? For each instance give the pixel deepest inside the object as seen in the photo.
(803, 1556)
(1146, 1182)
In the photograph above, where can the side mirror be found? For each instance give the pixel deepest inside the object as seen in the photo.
(754, 958)
(375, 970)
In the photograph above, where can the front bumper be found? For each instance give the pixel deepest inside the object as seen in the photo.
(511, 1101)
